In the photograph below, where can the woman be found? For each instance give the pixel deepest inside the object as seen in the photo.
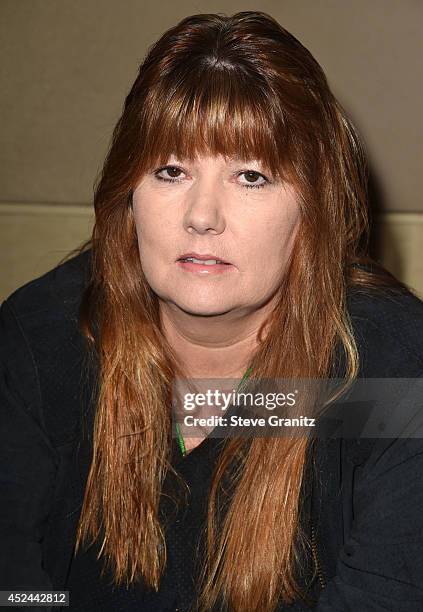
(232, 148)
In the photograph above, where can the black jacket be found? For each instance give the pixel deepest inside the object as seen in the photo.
(366, 503)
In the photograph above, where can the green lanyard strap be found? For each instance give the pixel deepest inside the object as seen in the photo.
(181, 439)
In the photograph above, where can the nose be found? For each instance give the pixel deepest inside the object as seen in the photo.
(204, 209)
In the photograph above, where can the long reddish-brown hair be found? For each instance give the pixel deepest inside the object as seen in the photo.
(244, 86)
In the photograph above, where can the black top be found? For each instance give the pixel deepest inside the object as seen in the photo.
(184, 532)
(365, 497)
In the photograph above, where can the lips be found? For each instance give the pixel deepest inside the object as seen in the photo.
(203, 257)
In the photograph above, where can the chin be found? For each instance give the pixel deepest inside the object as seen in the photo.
(203, 310)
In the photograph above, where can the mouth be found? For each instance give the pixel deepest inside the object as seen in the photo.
(205, 260)
(203, 264)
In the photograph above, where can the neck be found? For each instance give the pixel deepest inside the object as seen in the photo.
(212, 346)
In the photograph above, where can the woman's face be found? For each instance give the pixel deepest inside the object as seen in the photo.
(229, 210)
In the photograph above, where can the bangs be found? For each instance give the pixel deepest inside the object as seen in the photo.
(216, 113)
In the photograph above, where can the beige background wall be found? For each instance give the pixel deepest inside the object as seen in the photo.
(66, 67)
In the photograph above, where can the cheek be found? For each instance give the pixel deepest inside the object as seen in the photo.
(273, 241)
(286, 227)
(155, 241)
(155, 218)
(147, 226)
(268, 254)
(288, 231)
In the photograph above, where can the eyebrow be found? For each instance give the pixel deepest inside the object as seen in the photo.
(231, 159)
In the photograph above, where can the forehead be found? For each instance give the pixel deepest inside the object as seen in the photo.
(227, 136)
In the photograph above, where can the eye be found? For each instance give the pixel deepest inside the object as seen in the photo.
(251, 179)
(170, 174)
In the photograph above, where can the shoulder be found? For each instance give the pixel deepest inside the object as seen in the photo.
(49, 304)
(55, 294)
(388, 329)
(42, 349)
